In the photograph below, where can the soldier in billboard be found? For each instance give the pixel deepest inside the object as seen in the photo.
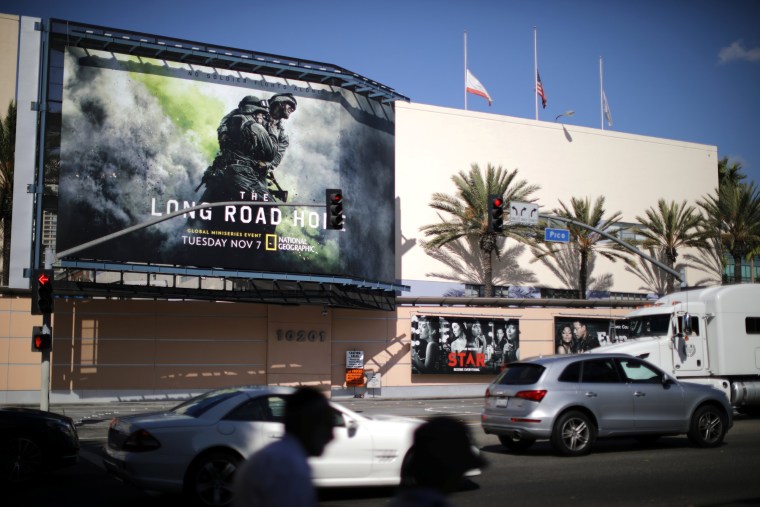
(247, 150)
(281, 106)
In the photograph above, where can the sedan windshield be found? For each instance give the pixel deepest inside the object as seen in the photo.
(200, 404)
(650, 325)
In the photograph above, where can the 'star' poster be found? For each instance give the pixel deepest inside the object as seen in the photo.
(463, 345)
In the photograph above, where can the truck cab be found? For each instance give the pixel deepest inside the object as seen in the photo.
(669, 337)
(710, 336)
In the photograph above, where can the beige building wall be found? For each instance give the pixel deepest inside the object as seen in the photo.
(112, 349)
(8, 57)
(143, 348)
(19, 366)
(632, 172)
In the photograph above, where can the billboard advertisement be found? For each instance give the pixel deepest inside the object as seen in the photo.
(460, 345)
(143, 138)
(581, 334)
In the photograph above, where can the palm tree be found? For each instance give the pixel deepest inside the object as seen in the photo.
(468, 213)
(7, 157)
(734, 214)
(729, 174)
(751, 256)
(587, 242)
(669, 227)
(708, 259)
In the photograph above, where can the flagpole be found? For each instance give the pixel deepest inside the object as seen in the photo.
(465, 70)
(601, 93)
(535, 68)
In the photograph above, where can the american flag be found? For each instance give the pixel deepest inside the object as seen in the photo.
(540, 89)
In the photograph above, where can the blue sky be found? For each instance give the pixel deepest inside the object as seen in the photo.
(679, 69)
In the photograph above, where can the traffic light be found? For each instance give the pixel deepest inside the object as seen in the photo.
(334, 208)
(495, 213)
(42, 292)
(42, 340)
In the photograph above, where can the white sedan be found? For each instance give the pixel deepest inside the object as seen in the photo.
(196, 447)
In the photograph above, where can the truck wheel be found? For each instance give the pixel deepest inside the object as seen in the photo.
(573, 434)
(708, 426)
(516, 442)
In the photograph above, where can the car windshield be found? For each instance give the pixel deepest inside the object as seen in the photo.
(520, 374)
(200, 404)
(650, 325)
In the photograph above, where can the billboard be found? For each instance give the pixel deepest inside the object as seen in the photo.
(581, 334)
(142, 138)
(455, 344)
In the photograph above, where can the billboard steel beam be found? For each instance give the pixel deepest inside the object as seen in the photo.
(96, 37)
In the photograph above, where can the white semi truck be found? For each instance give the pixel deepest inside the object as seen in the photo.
(709, 336)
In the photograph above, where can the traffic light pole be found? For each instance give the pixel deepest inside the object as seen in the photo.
(169, 216)
(47, 327)
(622, 243)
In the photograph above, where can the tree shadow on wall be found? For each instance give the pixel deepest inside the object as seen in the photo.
(464, 260)
(564, 262)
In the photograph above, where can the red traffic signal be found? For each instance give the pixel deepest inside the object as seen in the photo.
(495, 213)
(334, 208)
(42, 292)
(41, 340)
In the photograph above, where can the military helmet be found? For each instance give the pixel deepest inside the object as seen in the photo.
(250, 104)
(286, 98)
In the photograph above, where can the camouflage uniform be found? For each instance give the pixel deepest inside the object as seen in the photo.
(247, 150)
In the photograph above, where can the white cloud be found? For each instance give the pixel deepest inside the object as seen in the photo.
(737, 51)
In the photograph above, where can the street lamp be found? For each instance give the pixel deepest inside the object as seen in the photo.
(566, 113)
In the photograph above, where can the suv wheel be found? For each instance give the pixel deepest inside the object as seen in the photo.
(515, 442)
(708, 427)
(573, 434)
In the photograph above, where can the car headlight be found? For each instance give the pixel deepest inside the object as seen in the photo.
(63, 427)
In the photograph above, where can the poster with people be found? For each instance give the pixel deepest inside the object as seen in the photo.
(574, 335)
(466, 345)
(144, 139)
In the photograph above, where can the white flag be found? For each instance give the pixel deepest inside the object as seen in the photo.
(607, 112)
(473, 86)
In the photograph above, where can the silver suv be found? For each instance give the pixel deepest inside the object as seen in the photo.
(574, 399)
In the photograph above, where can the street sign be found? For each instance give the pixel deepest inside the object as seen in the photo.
(523, 213)
(354, 359)
(557, 235)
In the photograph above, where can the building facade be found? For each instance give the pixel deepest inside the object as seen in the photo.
(172, 331)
